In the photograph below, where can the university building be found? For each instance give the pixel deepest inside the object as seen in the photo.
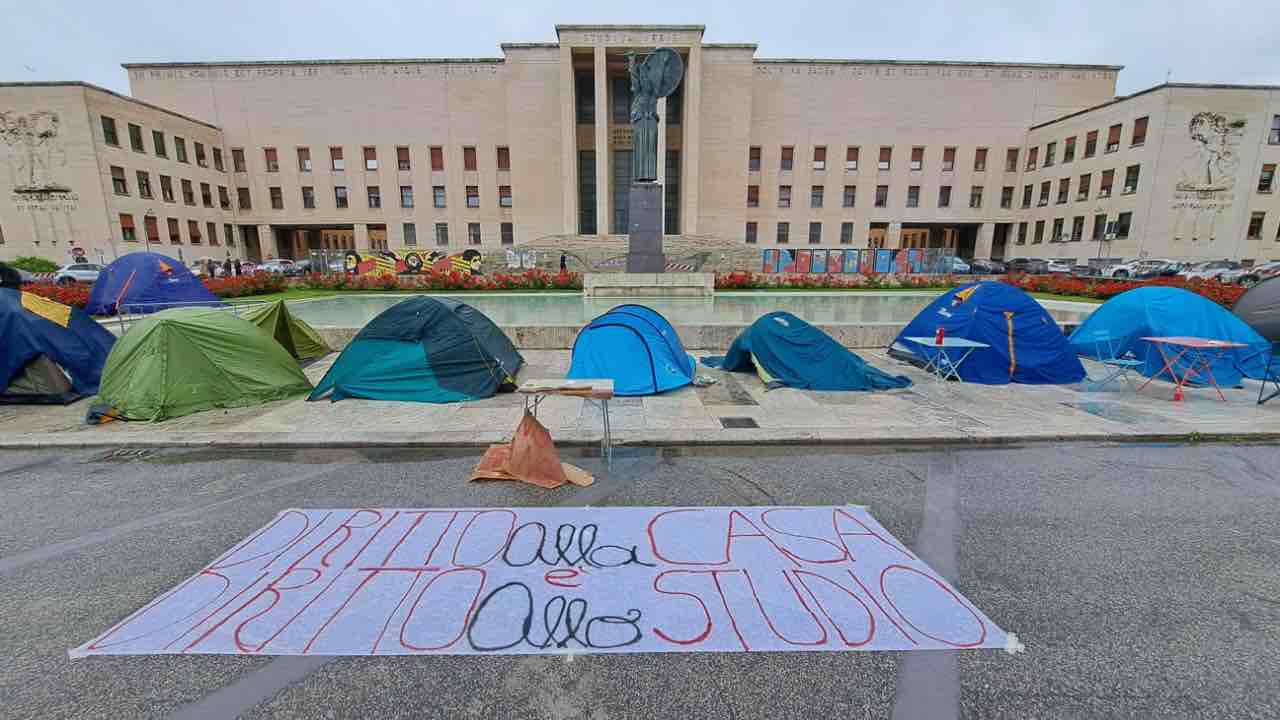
(533, 149)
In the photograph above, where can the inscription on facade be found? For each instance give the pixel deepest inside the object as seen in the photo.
(875, 71)
(303, 72)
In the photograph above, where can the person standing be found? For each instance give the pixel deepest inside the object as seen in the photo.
(226, 267)
(239, 268)
(564, 264)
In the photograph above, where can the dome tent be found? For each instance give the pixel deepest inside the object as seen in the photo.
(146, 282)
(424, 349)
(1025, 345)
(300, 339)
(636, 348)
(1260, 308)
(50, 353)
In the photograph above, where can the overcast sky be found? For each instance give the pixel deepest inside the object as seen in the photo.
(1223, 41)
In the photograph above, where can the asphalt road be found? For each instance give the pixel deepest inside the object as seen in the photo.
(1143, 580)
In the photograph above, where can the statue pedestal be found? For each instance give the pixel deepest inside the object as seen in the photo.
(644, 255)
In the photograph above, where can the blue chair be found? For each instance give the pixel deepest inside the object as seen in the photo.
(1118, 365)
(1271, 375)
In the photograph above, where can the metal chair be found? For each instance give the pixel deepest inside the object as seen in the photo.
(1118, 365)
(1271, 375)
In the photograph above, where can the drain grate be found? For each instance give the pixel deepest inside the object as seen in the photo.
(738, 422)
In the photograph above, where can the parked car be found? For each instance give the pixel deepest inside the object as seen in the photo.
(1030, 266)
(987, 267)
(1251, 276)
(1209, 270)
(1132, 268)
(953, 264)
(1059, 267)
(278, 265)
(77, 273)
(1166, 270)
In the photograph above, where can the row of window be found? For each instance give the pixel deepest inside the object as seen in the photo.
(369, 153)
(120, 185)
(151, 228)
(1105, 187)
(159, 145)
(1102, 230)
(475, 234)
(1137, 138)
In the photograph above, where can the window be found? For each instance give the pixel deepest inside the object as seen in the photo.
(1056, 236)
(886, 158)
(1039, 236)
(152, 227)
(277, 198)
(119, 183)
(1139, 132)
(1104, 187)
(109, 131)
(850, 196)
(882, 196)
(437, 164)
(1033, 156)
(157, 142)
(944, 196)
(585, 88)
(1091, 143)
(217, 161)
(469, 159)
(340, 196)
(1044, 194)
(975, 196)
(1064, 190)
(188, 193)
(127, 231)
(1123, 221)
(402, 159)
(442, 233)
(851, 158)
(375, 196)
(507, 232)
(1011, 160)
(784, 233)
(753, 196)
(820, 157)
(180, 149)
(246, 202)
(175, 232)
(846, 233)
(815, 233)
(406, 196)
(229, 235)
(206, 195)
(473, 196)
(201, 160)
(1022, 234)
(1050, 151)
(1099, 227)
(224, 199)
(410, 234)
(1026, 196)
(237, 159)
(1077, 228)
(750, 234)
(1082, 191)
(135, 138)
(504, 196)
(784, 196)
(336, 161)
(1069, 149)
(1006, 197)
(1131, 179)
(913, 196)
(304, 159)
(1267, 179)
(144, 185)
(1255, 225)
(980, 160)
(917, 158)
(753, 159)
(948, 159)
(1113, 138)
(166, 188)
(437, 196)
(308, 197)
(473, 233)
(815, 196)
(788, 157)
(193, 231)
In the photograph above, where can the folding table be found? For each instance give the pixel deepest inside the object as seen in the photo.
(1200, 352)
(598, 391)
(942, 365)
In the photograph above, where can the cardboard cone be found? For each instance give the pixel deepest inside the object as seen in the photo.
(533, 455)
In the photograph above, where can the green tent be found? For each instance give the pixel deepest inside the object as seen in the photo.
(182, 361)
(300, 339)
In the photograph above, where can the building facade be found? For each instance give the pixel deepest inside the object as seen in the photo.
(534, 148)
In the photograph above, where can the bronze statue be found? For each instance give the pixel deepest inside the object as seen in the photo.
(656, 77)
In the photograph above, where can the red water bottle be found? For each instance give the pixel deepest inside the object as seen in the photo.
(940, 335)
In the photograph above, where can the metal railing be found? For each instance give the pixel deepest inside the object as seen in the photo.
(129, 313)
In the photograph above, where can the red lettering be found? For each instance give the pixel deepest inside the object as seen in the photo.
(843, 554)
(497, 551)
(653, 542)
(562, 578)
(706, 632)
(838, 513)
(462, 627)
(871, 619)
(820, 641)
(731, 536)
(981, 625)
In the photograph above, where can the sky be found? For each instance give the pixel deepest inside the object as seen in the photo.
(1227, 41)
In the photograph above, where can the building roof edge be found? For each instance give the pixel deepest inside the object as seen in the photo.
(98, 88)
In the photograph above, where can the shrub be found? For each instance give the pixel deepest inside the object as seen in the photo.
(34, 264)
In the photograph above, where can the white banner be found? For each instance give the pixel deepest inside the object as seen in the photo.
(558, 580)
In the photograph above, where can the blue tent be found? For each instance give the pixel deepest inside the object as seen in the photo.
(1025, 345)
(1171, 312)
(635, 347)
(144, 282)
(37, 332)
(789, 352)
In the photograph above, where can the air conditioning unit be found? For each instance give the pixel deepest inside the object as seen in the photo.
(1042, 203)
(1130, 188)
(1104, 193)
(1109, 236)
(819, 165)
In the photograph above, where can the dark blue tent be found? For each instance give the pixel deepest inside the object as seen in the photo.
(1171, 312)
(789, 352)
(636, 348)
(1025, 345)
(144, 282)
(39, 334)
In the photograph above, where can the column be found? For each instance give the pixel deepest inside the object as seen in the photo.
(569, 140)
(362, 238)
(662, 157)
(982, 245)
(267, 242)
(603, 158)
(692, 145)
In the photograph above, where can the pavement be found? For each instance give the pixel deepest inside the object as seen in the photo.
(1141, 578)
(929, 412)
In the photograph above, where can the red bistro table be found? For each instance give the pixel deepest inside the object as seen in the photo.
(1200, 352)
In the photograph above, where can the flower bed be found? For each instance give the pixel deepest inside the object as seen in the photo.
(445, 281)
(261, 283)
(75, 295)
(745, 280)
(1105, 288)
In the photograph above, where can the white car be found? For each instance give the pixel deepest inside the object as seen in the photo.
(1058, 266)
(77, 273)
(279, 265)
(1209, 270)
(1134, 267)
